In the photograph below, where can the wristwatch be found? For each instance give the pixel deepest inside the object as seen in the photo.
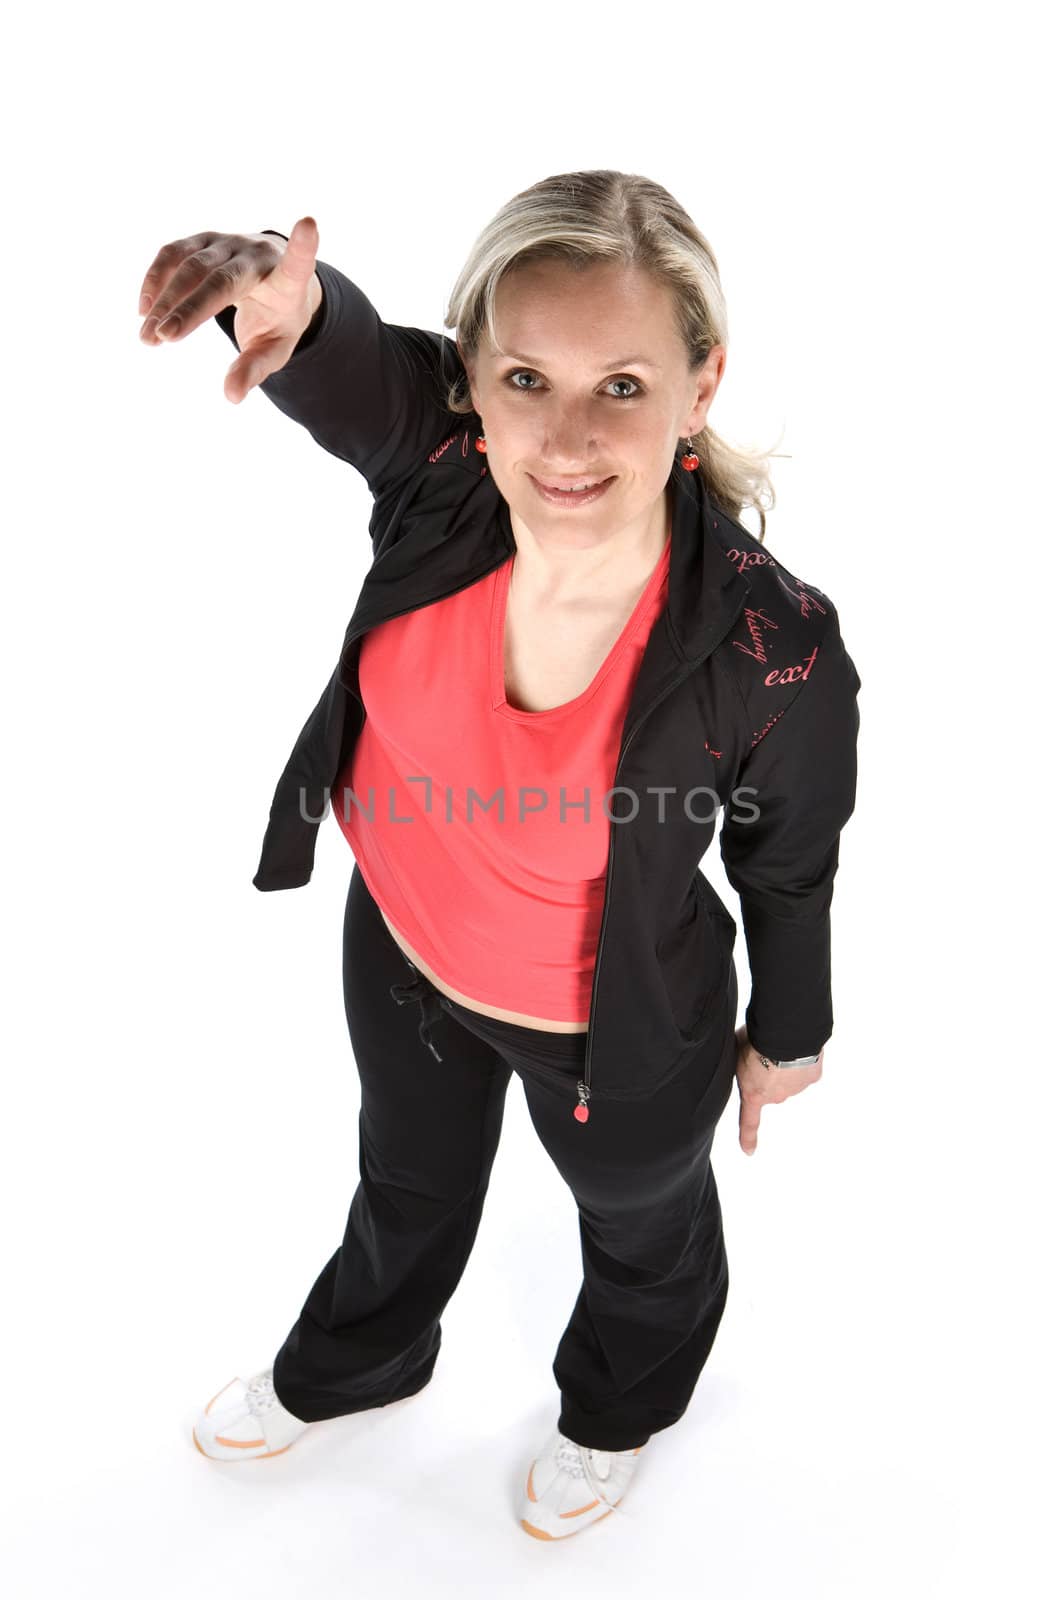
(797, 1061)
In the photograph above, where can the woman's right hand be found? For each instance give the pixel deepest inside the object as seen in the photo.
(273, 285)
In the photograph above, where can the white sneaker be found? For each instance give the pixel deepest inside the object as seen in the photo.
(246, 1419)
(570, 1486)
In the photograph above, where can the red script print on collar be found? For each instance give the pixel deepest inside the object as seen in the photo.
(807, 601)
(792, 674)
(749, 558)
(439, 450)
(755, 622)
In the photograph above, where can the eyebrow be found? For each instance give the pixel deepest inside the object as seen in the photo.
(624, 361)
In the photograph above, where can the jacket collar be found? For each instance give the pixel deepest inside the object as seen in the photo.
(705, 590)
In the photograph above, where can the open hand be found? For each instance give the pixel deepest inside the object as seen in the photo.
(273, 285)
(760, 1086)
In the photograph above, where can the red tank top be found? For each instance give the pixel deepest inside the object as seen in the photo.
(481, 829)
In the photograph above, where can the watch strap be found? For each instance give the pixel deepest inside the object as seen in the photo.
(797, 1061)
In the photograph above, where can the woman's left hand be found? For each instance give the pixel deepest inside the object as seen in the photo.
(761, 1086)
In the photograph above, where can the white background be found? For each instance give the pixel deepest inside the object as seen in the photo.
(181, 1100)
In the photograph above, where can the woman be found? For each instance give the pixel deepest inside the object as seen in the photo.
(562, 611)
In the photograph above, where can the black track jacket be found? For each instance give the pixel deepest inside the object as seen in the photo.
(745, 704)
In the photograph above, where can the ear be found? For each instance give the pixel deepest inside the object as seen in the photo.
(708, 380)
(468, 369)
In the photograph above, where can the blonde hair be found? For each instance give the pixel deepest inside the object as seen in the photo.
(583, 217)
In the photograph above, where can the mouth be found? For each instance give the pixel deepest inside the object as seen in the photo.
(557, 494)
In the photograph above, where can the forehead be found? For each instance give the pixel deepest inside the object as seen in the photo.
(609, 311)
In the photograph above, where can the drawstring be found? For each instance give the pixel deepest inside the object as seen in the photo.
(421, 989)
(430, 1005)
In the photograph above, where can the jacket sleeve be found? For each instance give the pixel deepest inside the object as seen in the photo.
(779, 842)
(367, 391)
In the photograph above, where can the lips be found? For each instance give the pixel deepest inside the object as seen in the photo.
(578, 486)
(568, 497)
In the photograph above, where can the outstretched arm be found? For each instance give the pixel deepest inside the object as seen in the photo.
(370, 392)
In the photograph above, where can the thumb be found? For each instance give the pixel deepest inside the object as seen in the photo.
(299, 257)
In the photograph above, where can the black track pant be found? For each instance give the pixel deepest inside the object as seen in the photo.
(654, 1262)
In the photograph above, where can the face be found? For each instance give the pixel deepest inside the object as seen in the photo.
(597, 387)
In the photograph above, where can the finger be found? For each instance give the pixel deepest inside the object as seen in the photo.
(203, 283)
(299, 258)
(254, 365)
(748, 1125)
(165, 262)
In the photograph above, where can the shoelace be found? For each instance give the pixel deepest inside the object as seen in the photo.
(259, 1393)
(577, 1461)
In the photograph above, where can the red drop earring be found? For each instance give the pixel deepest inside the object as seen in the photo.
(480, 443)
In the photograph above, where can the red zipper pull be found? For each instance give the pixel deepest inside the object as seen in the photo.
(581, 1111)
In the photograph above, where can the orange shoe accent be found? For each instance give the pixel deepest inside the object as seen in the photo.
(215, 1397)
(538, 1533)
(239, 1444)
(264, 1457)
(579, 1512)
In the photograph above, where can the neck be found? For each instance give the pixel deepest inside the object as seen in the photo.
(564, 572)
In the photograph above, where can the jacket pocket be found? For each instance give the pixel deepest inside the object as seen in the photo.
(694, 959)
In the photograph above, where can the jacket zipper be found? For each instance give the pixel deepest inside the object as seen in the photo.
(580, 1110)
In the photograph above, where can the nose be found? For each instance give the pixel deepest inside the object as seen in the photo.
(569, 441)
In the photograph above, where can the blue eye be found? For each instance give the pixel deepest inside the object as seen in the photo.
(518, 372)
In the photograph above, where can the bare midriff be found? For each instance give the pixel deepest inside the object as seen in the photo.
(544, 1024)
